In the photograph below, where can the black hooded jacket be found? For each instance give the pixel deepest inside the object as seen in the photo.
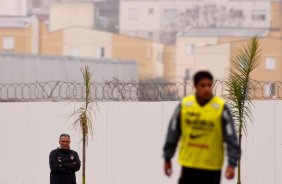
(63, 165)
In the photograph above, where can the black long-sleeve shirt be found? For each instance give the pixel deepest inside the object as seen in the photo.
(63, 165)
(229, 134)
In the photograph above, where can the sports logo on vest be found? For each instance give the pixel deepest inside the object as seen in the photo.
(200, 124)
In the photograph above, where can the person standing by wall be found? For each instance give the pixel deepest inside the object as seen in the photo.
(63, 162)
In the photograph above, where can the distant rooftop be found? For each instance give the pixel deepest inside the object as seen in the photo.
(65, 58)
(26, 68)
(14, 22)
(214, 32)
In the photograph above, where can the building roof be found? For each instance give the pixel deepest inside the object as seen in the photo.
(215, 32)
(25, 68)
(15, 22)
(64, 58)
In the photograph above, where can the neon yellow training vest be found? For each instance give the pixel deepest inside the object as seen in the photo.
(201, 144)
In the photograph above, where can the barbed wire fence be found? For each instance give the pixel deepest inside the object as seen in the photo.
(119, 91)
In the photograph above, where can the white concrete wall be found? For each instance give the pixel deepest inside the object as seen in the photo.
(127, 143)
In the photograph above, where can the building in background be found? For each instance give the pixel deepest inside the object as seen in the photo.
(50, 41)
(90, 43)
(106, 12)
(107, 15)
(210, 44)
(27, 68)
(65, 15)
(60, 35)
(65, 33)
(148, 54)
(200, 51)
(98, 44)
(19, 34)
(270, 68)
(14, 7)
(217, 58)
(163, 20)
(212, 48)
(41, 7)
(170, 63)
(276, 19)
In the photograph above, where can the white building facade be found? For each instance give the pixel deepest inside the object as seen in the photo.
(162, 20)
(14, 7)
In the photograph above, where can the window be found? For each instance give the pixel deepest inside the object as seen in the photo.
(100, 52)
(132, 14)
(151, 11)
(189, 49)
(270, 63)
(8, 43)
(236, 14)
(258, 15)
(74, 51)
(270, 90)
(170, 14)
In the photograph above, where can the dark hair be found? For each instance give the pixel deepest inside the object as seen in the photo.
(200, 75)
(64, 135)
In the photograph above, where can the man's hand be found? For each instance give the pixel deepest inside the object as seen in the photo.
(168, 168)
(230, 172)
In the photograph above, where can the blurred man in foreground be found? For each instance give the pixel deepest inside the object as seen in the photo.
(202, 123)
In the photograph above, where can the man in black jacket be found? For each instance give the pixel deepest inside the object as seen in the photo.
(63, 162)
